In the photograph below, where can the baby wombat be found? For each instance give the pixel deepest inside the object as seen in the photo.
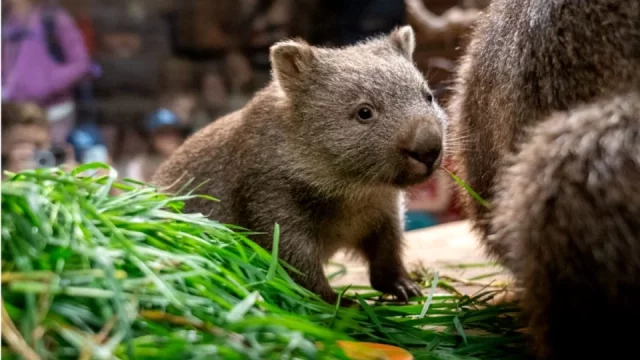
(325, 151)
(544, 126)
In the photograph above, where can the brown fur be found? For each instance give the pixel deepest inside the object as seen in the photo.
(544, 125)
(297, 156)
(567, 211)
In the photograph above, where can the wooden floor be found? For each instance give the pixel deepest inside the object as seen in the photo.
(443, 248)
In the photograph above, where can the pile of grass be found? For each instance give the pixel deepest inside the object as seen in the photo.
(86, 274)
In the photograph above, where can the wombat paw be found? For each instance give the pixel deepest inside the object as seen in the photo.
(402, 288)
(348, 303)
(405, 289)
(332, 298)
(505, 297)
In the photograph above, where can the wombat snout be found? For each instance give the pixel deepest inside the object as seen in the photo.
(426, 149)
(427, 156)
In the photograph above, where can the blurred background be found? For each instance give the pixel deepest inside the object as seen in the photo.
(126, 81)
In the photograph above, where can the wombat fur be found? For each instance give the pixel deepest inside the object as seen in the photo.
(544, 126)
(567, 211)
(325, 150)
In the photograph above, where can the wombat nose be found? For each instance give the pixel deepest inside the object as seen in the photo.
(428, 156)
(424, 147)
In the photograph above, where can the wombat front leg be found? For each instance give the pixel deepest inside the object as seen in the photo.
(387, 273)
(302, 253)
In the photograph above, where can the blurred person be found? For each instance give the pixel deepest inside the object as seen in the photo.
(240, 70)
(215, 100)
(182, 104)
(44, 57)
(165, 134)
(272, 23)
(26, 139)
(88, 144)
(214, 90)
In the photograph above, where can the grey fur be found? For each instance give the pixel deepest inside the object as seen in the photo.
(544, 125)
(296, 155)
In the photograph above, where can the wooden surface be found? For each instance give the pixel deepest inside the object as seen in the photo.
(442, 248)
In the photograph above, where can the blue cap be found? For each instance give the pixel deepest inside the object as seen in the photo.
(162, 118)
(88, 143)
(85, 136)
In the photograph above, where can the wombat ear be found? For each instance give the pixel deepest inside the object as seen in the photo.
(289, 59)
(404, 40)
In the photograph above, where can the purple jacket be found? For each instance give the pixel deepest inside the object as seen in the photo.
(29, 73)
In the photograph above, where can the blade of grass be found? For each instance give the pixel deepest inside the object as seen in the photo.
(468, 189)
(274, 252)
(434, 284)
(458, 325)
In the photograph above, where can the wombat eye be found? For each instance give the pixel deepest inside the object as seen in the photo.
(428, 97)
(365, 113)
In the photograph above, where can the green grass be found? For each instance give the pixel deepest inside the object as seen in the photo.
(468, 189)
(86, 274)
